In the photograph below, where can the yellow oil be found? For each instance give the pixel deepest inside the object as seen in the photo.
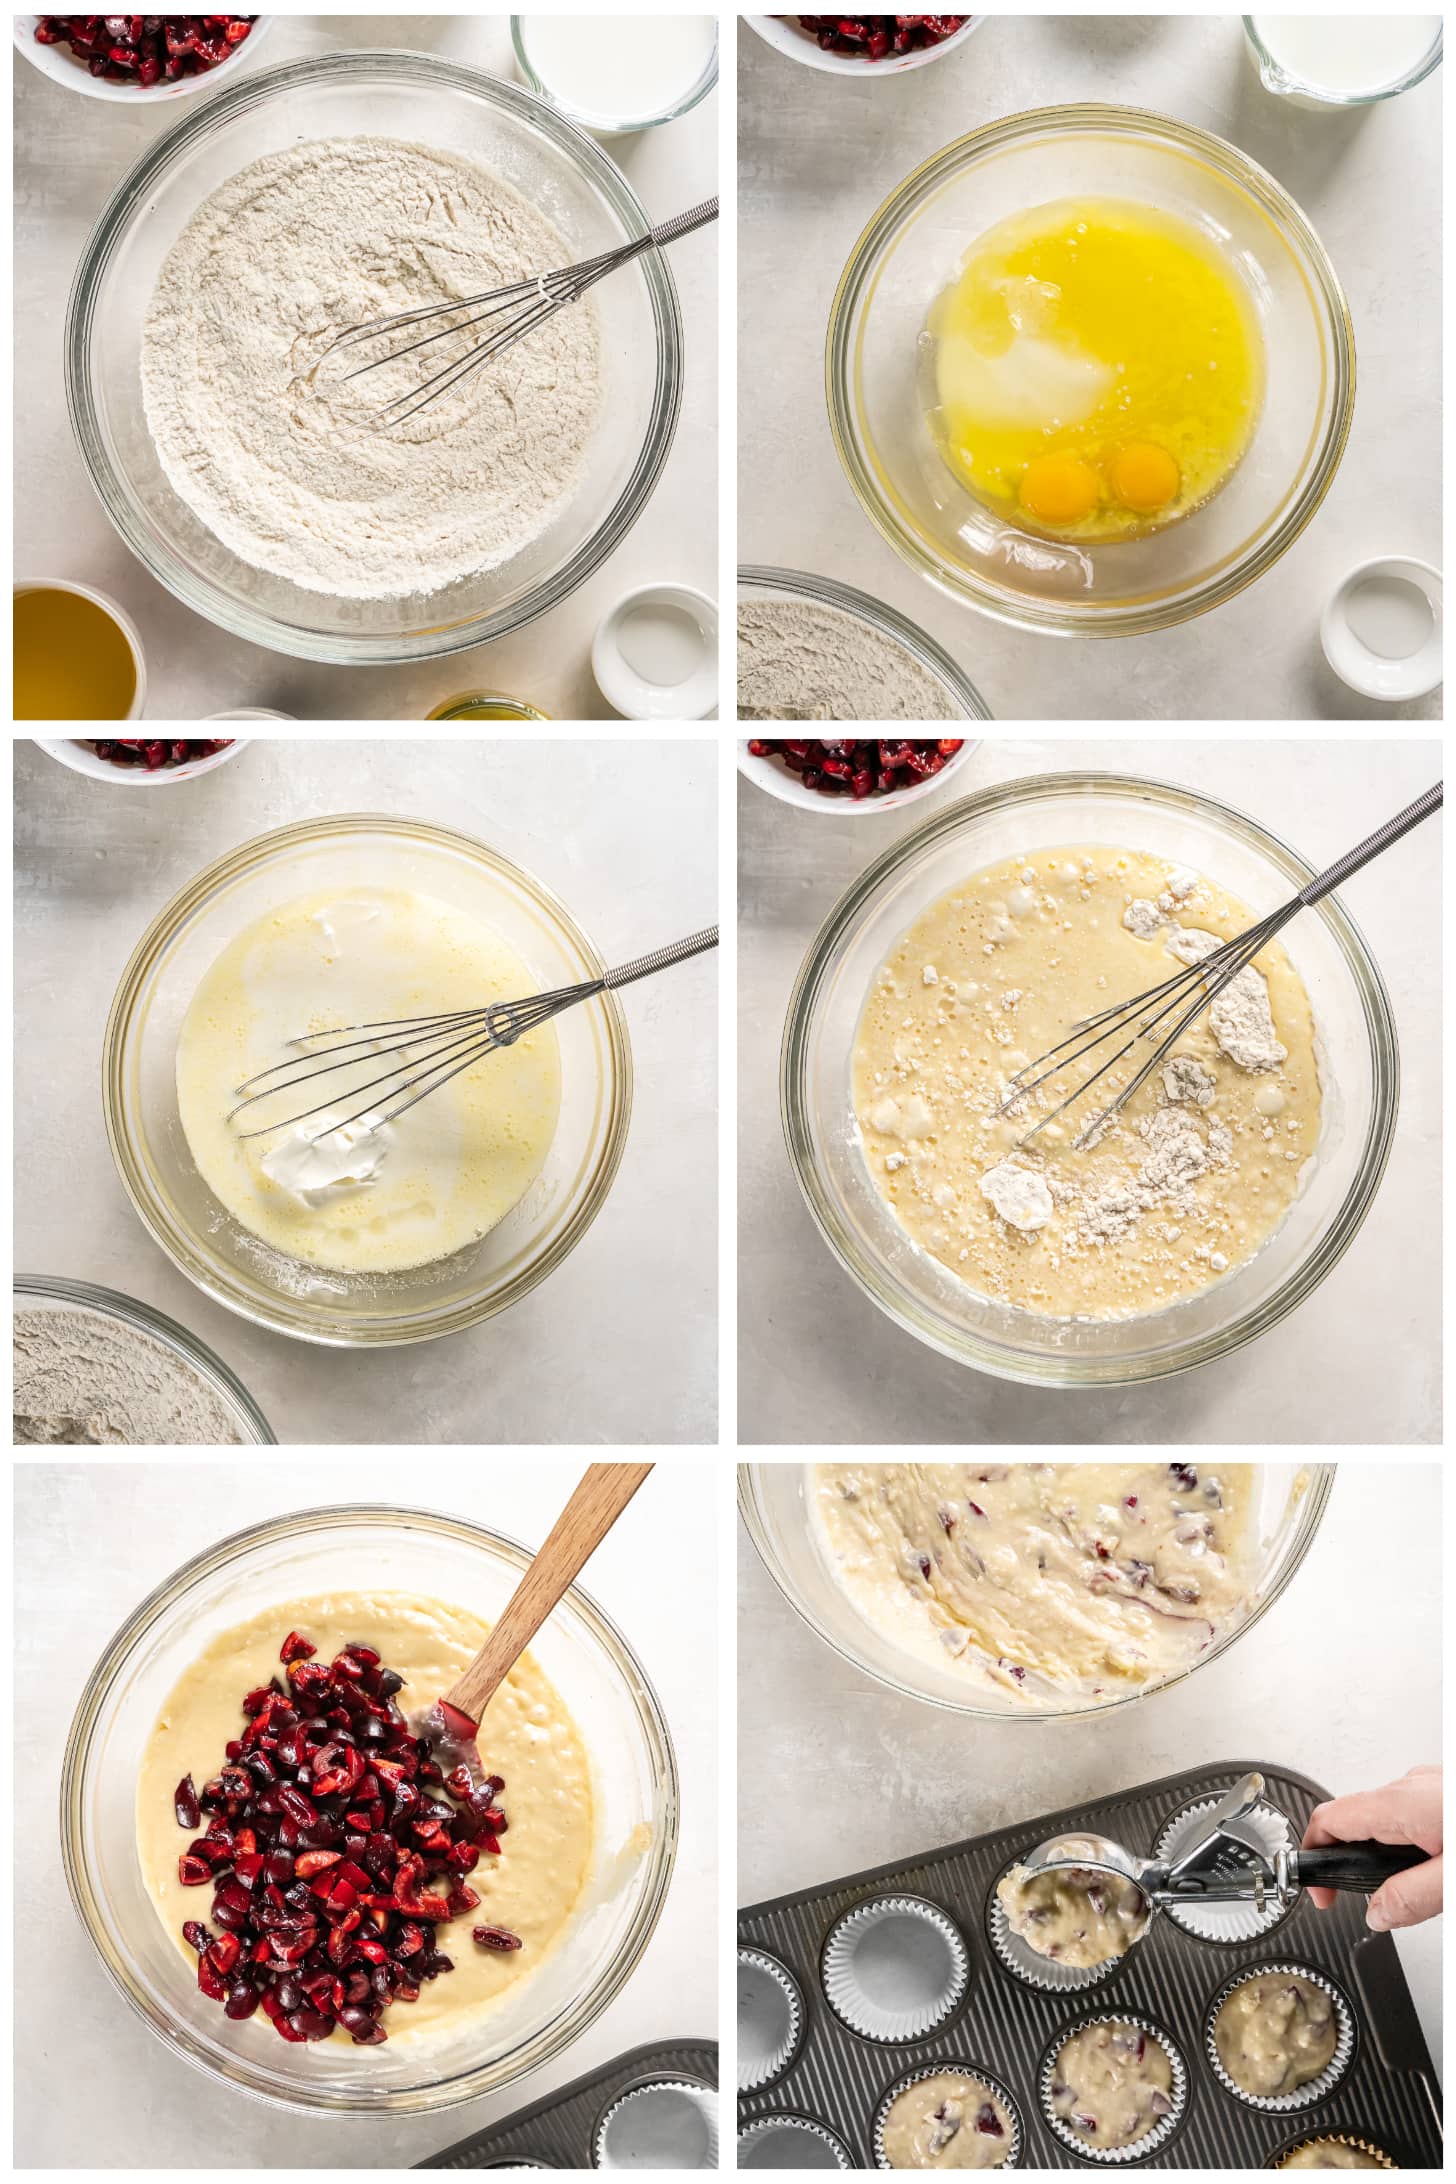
(486, 705)
(72, 662)
(1099, 368)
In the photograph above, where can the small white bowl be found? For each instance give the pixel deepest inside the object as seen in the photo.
(116, 613)
(621, 675)
(1381, 628)
(84, 761)
(783, 32)
(251, 712)
(765, 773)
(62, 66)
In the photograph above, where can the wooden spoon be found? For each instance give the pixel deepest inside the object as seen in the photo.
(600, 1496)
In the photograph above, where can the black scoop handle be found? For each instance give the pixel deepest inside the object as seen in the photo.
(1360, 1866)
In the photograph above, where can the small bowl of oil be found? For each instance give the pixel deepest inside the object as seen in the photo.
(77, 656)
(486, 705)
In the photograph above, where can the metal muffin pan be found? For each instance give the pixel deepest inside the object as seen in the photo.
(561, 2131)
(1387, 2095)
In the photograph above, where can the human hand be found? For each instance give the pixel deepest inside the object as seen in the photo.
(1408, 1811)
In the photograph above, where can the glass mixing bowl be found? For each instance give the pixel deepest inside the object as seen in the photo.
(425, 100)
(53, 1293)
(774, 1503)
(1355, 1044)
(876, 353)
(793, 586)
(634, 1785)
(139, 1085)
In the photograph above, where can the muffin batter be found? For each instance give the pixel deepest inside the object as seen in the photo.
(1045, 1581)
(1076, 1918)
(1330, 2154)
(950, 2121)
(1275, 2033)
(377, 1197)
(1112, 2084)
(527, 1736)
(1186, 1184)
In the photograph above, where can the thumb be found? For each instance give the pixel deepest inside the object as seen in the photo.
(1406, 1898)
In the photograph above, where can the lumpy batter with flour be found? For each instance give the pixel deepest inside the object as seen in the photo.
(282, 457)
(1043, 1581)
(1184, 1185)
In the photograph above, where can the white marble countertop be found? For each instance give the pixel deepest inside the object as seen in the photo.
(91, 1541)
(1358, 1362)
(620, 1343)
(71, 153)
(1339, 1681)
(817, 155)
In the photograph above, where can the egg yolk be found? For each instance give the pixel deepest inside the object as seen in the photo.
(1059, 489)
(1144, 476)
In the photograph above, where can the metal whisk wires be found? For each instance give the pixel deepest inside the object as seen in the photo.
(1186, 995)
(512, 312)
(429, 1050)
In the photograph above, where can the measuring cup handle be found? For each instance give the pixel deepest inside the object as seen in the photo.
(1360, 1866)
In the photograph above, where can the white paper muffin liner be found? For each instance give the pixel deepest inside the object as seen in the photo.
(761, 2060)
(1226, 1922)
(951, 2063)
(930, 1992)
(1044, 1973)
(767, 2127)
(699, 2099)
(1162, 2130)
(1303, 2096)
(1332, 2138)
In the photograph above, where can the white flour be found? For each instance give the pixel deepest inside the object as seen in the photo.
(83, 1379)
(283, 460)
(1240, 1016)
(800, 661)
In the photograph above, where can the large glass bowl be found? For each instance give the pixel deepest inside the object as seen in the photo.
(425, 100)
(774, 1501)
(876, 355)
(1355, 1046)
(150, 1147)
(634, 1782)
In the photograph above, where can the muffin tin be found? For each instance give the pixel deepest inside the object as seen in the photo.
(666, 2084)
(1004, 2030)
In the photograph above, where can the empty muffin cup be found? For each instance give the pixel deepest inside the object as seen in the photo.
(1094, 2091)
(668, 2123)
(1225, 1922)
(791, 2142)
(1319, 2083)
(1052, 1975)
(770, 2019)
(1331, 2150)
(907, 2120)
(894, 1968)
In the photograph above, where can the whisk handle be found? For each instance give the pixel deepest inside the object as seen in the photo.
(1355, 859)
(593, 270)
(662, 959)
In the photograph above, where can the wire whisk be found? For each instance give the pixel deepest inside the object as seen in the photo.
(520, 307)
(1186, 995)
(431, 1049)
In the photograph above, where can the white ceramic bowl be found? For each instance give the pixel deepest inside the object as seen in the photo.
(1364, 667)
(783, 32)
(634, 695)
(83, 760)
(765, 773)
(62, 66)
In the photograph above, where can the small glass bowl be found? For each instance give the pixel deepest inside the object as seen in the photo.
(431, 101)
(604, 1688)
(764, 584)
(909, 252)
(775, 1503)
(1277, 77)
(52, 1292)
(150, 1148)
(1355, 1043)
(613, 125)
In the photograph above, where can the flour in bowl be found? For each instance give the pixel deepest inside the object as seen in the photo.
(282, 458)
(800, 661)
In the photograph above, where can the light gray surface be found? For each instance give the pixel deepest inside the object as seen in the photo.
(92, 1540)
(1358, 1362)
(1340, 1680)
(818, 154)
(620, 1343)
(72, 152)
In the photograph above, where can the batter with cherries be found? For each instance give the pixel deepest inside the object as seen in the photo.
(948, 2121)
(1076, 1916)
(1276, 2033)
(1112, 2084)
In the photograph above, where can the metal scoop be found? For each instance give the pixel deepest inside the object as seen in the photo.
(1226, 1863)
